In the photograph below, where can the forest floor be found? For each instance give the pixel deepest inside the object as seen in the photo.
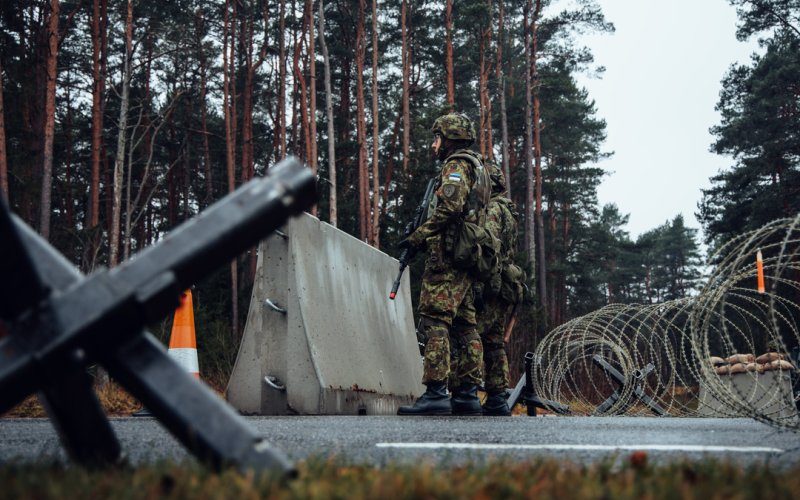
(113, 398)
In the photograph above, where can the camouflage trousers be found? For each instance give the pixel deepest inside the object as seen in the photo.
(492, 325)
(448, 318)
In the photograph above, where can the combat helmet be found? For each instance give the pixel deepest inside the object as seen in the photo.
(497, 176)
(454, 126)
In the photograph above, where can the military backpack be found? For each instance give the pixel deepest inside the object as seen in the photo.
(473, 247)
(508, 279)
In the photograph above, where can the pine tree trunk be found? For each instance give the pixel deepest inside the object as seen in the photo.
(529, 174)
(295, 87)
(562, 285)
(487, 98)
(502, 90)
(482, 94)
(387, 181)
(3, 155)
(312, 97)
(448, 54)
(280, 137)
(201, 56)
(69, 208)
(329, 116)
(361, 125)
(33, 69)
(406, 76)
(230, 160)
(344, 117)
(248, 165)
(144, 120)
(119, 163)
(126, 234)
(49, 120)
(107, 193)
(537, 149)
(247, 162)
(234, 83)
(375, 131)
(300, 78)
(98, 89)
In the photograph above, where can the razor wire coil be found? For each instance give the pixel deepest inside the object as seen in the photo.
(665, 350)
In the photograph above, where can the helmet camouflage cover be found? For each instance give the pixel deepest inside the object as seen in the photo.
(454, 126)
(497, 176)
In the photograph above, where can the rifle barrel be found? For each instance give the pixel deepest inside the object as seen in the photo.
(419, 218)
(404, 258)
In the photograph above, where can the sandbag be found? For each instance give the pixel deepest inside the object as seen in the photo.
(717, 361)
(778, 364)
(740, 358)
(769, 357)
(738, 368)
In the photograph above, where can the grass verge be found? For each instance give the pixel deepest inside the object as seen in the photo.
(116, 402)
(329, 479)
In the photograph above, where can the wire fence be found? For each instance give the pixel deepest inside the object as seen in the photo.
(729, 351)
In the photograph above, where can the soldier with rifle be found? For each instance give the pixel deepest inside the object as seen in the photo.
(446, 302)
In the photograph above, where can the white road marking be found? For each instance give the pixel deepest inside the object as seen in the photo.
(584, 447)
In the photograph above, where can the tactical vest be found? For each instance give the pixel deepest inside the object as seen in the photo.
(472, 247)
(481, 192)
(479, 195)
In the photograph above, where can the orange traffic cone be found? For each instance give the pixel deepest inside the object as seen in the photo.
(182, 340)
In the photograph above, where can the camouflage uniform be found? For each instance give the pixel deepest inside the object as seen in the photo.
(446, 300)
(502, 222)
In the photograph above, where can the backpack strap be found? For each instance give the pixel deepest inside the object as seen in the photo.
(482, 180)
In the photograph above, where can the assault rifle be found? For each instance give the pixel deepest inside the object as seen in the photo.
(420, 216)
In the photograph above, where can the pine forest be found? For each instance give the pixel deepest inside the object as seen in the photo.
(119, 119)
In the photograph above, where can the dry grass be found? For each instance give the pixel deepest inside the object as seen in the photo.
(113, 398)
(329, 479)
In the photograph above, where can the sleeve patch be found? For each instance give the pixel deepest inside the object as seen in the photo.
(455, 176)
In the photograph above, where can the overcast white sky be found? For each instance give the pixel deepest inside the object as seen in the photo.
(663, 70)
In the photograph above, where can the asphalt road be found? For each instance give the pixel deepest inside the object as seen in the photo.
(450, 440)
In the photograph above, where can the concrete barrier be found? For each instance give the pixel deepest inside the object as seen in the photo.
(322, 336)
(768, 393)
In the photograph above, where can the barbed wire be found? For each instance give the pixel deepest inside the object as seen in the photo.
(724, 352)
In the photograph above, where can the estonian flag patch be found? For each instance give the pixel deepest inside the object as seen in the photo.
(455, 176)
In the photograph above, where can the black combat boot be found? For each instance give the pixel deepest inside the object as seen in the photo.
(497, 405)
(435, 401)
(465, 401)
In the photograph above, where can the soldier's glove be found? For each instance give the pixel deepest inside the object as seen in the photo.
(405, 245)
(477, 291)
(412, 242)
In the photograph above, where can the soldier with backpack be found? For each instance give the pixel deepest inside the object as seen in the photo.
(501, 292)
(446, 305)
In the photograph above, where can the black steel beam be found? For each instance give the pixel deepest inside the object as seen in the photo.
(61, 321)
(23, 286)
(637, 378)
(523, 393)
(189, 409)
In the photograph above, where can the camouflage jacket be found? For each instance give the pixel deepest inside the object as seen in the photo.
(456, 181)
(501, 221)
